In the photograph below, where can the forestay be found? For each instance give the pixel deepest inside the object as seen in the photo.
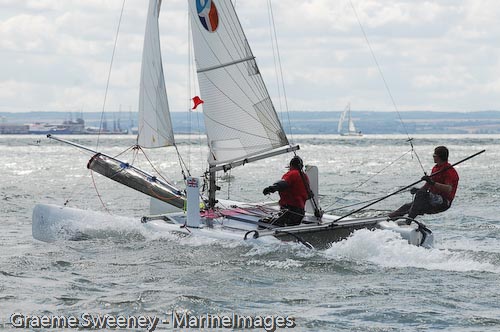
(240, 118)
(155, 125)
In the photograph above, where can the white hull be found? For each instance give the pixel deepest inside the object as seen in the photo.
(54, 223)
(351, 134)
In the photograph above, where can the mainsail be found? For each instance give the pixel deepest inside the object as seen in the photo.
(155, 125)
(240, 118)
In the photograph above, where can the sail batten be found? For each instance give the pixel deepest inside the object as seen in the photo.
(202, 70)
(240, 118)
(155, 125)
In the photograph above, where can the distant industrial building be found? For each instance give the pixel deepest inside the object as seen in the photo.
(67, 127)
(7, 128)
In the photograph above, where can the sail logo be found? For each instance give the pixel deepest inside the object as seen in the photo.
(207, 12)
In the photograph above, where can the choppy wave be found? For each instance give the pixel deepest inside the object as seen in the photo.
(388, 249)
(372, 281)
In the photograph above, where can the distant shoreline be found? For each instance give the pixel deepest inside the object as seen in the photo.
(296, 122)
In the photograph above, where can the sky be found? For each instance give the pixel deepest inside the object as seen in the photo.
(441, 55)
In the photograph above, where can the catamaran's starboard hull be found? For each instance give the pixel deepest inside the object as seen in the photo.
(52, 223)
(324, 237)
(321, 236)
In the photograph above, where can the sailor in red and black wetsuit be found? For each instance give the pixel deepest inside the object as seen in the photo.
(437, 193)
(293, 190)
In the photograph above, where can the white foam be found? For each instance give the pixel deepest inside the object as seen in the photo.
(270, 245)
(284, 264)
(388, 249)
(383, 248)
(22, 172)
(51, 223)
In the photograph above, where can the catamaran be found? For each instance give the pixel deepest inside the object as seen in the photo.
(351, 128)
(242, 126)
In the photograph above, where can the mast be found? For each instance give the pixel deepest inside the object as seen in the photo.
(212, 189)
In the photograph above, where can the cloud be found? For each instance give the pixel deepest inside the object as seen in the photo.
(438, 54)
(25, 33)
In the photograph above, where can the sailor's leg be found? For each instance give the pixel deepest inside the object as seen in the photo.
(438, 204)
(288, 217)
(400, 212)
(281, 219)
(294, 218)
(421, 204)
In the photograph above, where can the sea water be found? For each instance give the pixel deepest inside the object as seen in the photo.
(373, 281)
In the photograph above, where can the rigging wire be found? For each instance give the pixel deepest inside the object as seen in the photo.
(183, 164)
(274, 36)
(383, 169)
(363, 183)
(270, 19)
(104, 102)
(351, 205)
(150, 163)
(97, 192)
(410, 140)
(77, 188)
(109, 74)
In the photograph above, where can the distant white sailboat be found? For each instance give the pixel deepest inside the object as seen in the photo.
(242, 127)
(351, 128)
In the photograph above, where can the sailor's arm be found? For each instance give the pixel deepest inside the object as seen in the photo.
(442, 187)
(277, 186)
